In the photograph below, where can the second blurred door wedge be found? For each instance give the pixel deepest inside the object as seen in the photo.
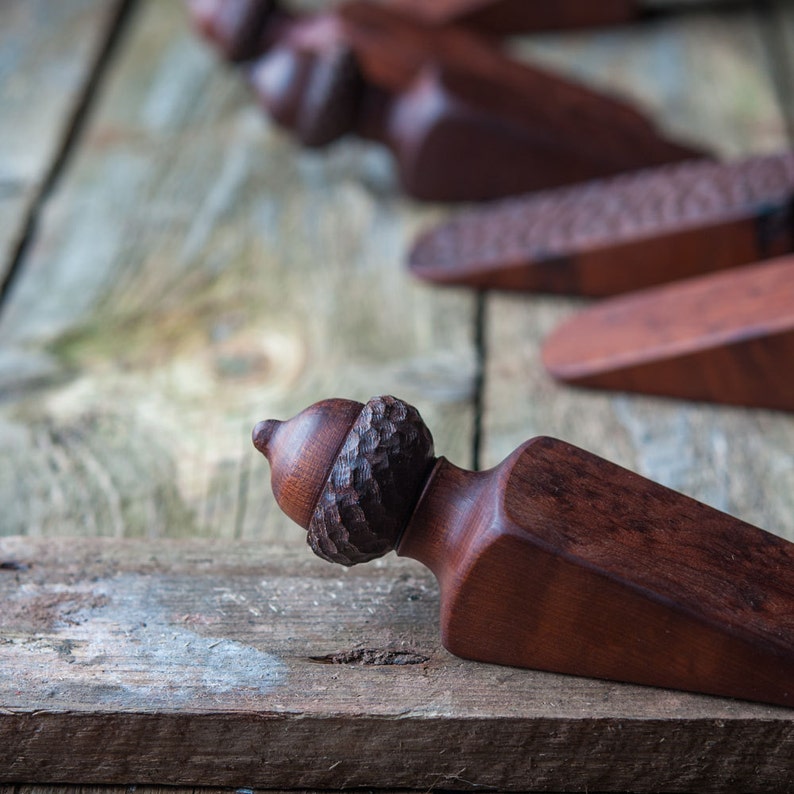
(502, 17)
(463, 120)
(619, 234)
(725, 338)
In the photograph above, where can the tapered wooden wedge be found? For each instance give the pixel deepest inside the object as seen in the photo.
(556, 559)
(463, 120)
(726, 338)
(619, 234)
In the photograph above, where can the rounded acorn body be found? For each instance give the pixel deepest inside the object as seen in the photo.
(556, 559)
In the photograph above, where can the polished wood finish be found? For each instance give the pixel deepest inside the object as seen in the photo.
(559, 560)
(726, 338)
(464, 121)
(620, 234)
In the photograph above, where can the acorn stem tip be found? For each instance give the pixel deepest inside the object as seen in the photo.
(262, 434)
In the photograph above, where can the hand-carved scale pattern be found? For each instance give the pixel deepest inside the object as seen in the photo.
(649, 203)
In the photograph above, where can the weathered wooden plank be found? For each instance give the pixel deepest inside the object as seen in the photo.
(197, 272)
(706, 74)
(701, 76)
(780, 37)
(175, 298)
(88, 789)
(47, 55)
(202, 663)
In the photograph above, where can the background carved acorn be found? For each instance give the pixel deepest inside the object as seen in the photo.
(314, 93)
(349, 473)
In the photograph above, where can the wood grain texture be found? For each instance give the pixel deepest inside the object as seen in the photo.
(559, 560)
(194, 273)
(119, 650)
(184, 285)
(724, 338)
(779, 33)
(87, 789)
(121, 789)
(739, 461)
(702, 75)
(47, 54)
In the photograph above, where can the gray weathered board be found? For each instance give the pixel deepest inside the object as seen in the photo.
(192, 271)
(195, 273)
(201, 663)
(48, 53)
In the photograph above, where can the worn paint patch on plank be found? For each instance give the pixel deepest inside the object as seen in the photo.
(72, 645)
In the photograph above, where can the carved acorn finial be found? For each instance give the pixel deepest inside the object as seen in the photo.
(349, 473)
(314, 92)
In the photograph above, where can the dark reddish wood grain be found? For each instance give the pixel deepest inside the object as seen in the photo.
(513, 16)
(464, 121)
(559, 560)
(620, 234)
(726, 337)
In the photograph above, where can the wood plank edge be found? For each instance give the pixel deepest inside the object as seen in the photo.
(278, 750)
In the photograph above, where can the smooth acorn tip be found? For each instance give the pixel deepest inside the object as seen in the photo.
(302, 451)
(263, 433)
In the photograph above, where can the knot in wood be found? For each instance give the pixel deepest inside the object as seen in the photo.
(374, 484)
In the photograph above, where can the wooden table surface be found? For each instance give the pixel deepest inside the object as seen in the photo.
(174, 269)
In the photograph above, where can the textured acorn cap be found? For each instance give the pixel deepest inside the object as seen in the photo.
(349, 473)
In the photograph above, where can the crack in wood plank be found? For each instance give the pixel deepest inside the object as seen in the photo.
(106, 35)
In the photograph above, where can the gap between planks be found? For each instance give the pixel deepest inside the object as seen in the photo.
(72, 135)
